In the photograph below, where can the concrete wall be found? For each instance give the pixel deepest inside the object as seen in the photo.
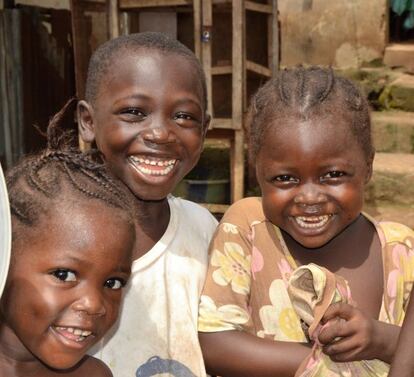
(341, 33)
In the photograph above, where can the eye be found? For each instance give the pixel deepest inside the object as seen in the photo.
(115, 283)
(133, 113)
(286, 178)
(186, 120)
(64, 274)
(333, 174)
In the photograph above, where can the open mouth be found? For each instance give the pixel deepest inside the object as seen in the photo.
(312, 222)
(73, 333)
(153, 166)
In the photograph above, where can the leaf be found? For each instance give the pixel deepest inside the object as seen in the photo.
(399, 6)
(409, 21)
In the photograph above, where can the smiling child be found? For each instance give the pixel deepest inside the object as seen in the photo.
(72, 241)
(145, 109)
(310, 137)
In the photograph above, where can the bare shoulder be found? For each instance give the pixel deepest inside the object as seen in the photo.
(93, 367)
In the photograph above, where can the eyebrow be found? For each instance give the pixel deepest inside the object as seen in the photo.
(134, 96)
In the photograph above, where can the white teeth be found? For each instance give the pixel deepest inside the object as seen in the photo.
(75, 331)
(312, 221)
(139, 162)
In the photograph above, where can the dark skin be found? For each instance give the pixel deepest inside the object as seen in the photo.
(403, 362)
(312, 188)
(149, 111)
(64, 290)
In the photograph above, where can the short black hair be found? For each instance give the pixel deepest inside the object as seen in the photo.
(303, 93)
(102, 59)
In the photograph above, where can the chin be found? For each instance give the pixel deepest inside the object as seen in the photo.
(63, 362)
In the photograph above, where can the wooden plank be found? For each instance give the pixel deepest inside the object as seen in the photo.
(207, 22)
(226, 123)
(50, 4)
(258, 68)
(129, 4)
(222, 70)
(237, 166)
(273, 39)
(124, 24)
(237, 150)
(197, 28)
(113, 19)
(256, 7)
(237, 63)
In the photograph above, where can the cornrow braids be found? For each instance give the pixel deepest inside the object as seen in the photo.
(62, 172)
(303, 93)
(103, 59)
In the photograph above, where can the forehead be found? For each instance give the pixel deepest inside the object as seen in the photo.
(153, 71)
(325, 136)
(89, 231)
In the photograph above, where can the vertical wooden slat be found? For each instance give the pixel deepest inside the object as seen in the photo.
(273, 40)
(207, 22)
(11, 85)
(113, 18)
(197, 27)
(237, 158)
(124, 23)
(80, 55)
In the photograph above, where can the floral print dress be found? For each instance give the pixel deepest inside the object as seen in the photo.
(250, 266)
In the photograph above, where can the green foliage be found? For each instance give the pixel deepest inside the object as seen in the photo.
(404, 6)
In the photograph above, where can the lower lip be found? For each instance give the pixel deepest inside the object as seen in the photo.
(70, 343)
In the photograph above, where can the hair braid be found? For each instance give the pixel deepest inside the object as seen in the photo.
(302, 93)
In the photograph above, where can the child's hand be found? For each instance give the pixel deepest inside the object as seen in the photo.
(351, 335)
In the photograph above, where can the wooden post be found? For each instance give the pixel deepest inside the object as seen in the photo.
(273, 40)
(206, 36)
(197, 28)
(237, 158)
(113, 18)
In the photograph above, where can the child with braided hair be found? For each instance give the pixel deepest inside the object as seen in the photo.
(304, 254)
(72, 241)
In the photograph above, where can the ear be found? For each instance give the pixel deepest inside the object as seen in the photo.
(86, 124)
(370, 163)
(206, 125)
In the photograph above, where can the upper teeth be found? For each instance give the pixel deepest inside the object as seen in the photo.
(75, 331)
(153, 162)
(312, 221)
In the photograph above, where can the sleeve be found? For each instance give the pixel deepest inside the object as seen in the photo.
(399, 266)
(225, 297)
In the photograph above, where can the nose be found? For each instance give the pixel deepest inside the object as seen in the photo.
(310, 194)
(159, 131)
(90, 302)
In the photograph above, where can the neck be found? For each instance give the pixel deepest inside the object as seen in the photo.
(15, 358)
(152, 218)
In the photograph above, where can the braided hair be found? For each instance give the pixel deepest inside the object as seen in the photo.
(307, 93)
(60, 173)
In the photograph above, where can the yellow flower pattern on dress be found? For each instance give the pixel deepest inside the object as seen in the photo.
(261, 305)
(234, 267)
(280, 319)
(211, 315)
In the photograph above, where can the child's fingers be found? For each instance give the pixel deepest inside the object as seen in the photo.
(340, 310)
(335, 328)
(341, 348)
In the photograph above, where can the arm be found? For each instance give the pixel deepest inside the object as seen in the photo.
(360, 337)
(239, 354)
(403, 362)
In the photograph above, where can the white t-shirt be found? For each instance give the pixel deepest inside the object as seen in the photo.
(156, 333)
